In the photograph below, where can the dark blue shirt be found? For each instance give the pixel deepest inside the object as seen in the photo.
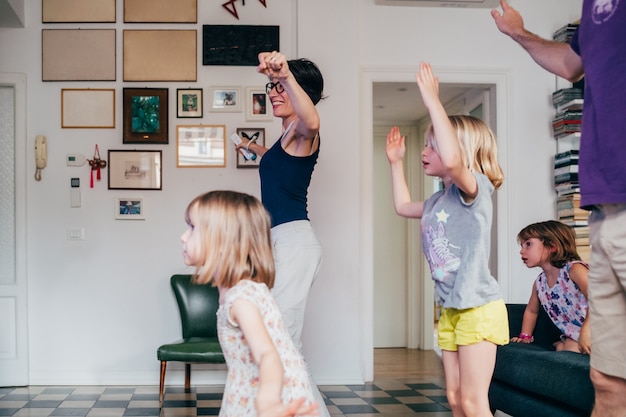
(285, 182)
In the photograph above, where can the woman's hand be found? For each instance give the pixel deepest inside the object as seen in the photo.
(274, 65)
(395, 145)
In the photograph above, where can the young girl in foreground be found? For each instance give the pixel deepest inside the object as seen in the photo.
(561, 287)
(456, 228)
(228, 241)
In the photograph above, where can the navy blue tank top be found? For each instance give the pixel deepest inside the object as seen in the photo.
(285, 182)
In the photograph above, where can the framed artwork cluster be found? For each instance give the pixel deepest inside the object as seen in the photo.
(225, 99)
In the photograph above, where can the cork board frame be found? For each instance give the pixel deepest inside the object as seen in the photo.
(160, 55)
(78, 11)
(78, 55)
(160, 11)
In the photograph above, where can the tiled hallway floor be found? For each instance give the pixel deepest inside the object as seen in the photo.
(385, 398)
(406, 384)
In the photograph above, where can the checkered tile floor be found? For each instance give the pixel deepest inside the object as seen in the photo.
(384, 398)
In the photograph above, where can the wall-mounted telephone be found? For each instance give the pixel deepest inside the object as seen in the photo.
(41, 155)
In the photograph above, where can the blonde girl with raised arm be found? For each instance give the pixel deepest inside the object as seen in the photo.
(456, 230)
(228, 241)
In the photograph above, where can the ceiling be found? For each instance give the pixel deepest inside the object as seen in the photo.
(401, 102)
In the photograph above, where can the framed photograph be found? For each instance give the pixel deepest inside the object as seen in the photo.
(78, 11)
(129, 208)
(145, 115)
(78, 55)
(250, 133)
(160, 11)
(160, 55)
(189, 102)
(88, 108)
(225, 99)
(258, 106)
(200, 146)
(135, 170)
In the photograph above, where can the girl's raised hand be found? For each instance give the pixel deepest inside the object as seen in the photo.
(395, 145)
(428, 85)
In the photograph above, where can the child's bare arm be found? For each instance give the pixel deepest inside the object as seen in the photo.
(402, 203)
(245, 314)
(446, 136)
(529, 320)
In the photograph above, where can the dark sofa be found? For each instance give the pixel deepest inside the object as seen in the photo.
(535, 380)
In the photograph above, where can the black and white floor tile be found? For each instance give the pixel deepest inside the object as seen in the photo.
(383, 398)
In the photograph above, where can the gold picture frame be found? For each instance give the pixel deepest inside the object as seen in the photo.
(201, 146)
(78, 55)
(78, 11)
(88, 108)
(160, 11)
(160, 55)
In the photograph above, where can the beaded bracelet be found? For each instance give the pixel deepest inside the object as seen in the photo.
(526, 336)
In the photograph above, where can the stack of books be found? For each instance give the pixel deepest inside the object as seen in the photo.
(569, 212)
(567, 122)
(566, 173)
(568, 98)
(565, 33)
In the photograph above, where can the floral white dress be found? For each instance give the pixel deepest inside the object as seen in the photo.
(564, 301)
(242, 382)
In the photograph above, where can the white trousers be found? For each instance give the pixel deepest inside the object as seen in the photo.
(298, 256)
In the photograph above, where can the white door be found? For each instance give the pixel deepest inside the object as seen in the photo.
(13, 319)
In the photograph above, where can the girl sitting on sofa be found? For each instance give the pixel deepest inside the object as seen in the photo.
(560, 288)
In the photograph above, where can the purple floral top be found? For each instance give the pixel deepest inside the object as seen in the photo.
(564, 302)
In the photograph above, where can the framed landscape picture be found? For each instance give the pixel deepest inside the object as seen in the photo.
(145, 115)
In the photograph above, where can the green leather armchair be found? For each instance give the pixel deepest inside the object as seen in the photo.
(198, 307)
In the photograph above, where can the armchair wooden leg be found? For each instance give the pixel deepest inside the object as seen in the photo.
(187, 377)
(162, 382)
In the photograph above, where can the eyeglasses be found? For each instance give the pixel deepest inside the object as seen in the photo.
(269, 86)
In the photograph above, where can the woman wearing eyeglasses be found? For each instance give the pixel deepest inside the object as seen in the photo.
(294, 88)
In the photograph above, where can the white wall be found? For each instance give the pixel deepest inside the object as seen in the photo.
(99, 308)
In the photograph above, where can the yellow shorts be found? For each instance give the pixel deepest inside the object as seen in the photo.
(473, 325)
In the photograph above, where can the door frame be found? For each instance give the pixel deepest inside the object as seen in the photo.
(370, 75)
(14, 363)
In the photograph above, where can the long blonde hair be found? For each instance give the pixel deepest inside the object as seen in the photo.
(478, 146)
(236, 242)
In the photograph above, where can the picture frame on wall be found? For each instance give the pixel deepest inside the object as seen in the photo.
(159, 55)
(78, 55)
(135, 169)
(250, 133)
(145, 114)
(78, 11)
(225, 99)
(129, 208)
(160, 11)
(258, 105)
(201, 146)
(189, 102)
(87, 108)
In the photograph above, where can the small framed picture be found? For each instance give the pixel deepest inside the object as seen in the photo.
(145, 115)
(134, 170)
(258, 106)
(250, 133)
(200, 146)
(189, 102)
(129, 208)
(225, 99)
